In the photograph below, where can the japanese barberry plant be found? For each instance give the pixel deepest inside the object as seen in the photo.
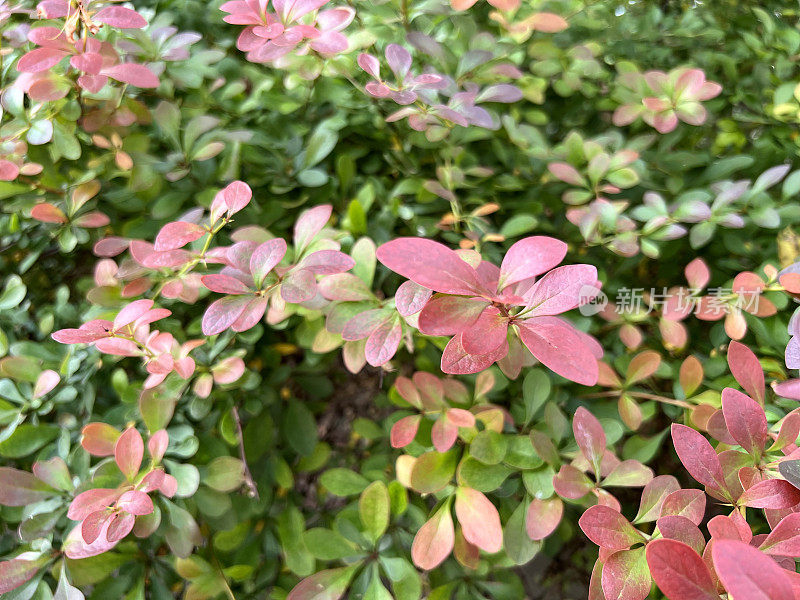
(314, 299)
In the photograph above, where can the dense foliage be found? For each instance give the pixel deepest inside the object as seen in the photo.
(315, 299)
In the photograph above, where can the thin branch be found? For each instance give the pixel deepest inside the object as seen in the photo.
(252, 490)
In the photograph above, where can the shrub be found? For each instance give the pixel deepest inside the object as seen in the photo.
(319, 300)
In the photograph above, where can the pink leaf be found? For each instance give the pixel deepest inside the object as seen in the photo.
(559, 347)
(571, 483)
(589, 435)
(131, 312)
(749, 574)
(128, 452)
(434, 540)
(157, 444)
(266, 257)
(747, 370)
(47, 213)
(561, 289)
(225, 284)
(383, 342)
(487, 333)
(299, 286)
(543, 516)
(223, 313)
(679, 571)
(457, 361)
(75, 547)
(697, 274)
(429, 264)
(135, 503)
(120, 17)
(99, 439)
(449, 315)
(608, 529)
(15, 572)
(566, 173)
(404, 431)
(479, 520)
(177, 234)
(327, 262)
(40, 59)
(530, 257)
(443, 434)
(745, 420)
(363, 324)
(410, 298)
(698, 457)
(92, 220)
(18, 488)
(45, 383)
(251, 314)
(91, 501)
(133, 74)
(309, 224)
(771, 493)
(784, 540)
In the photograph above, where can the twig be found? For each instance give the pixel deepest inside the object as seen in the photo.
(252, 490)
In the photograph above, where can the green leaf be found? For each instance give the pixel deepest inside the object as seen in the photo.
(343, 482)
(519, 547)
(535, 391)
(489, 447)
(224, 474)
(27, 439)
(433, 470)
(373, 508)
(327, 544)
(13, 293)
(319, 145)
(300, 428)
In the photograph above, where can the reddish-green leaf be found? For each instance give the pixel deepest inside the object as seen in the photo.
(679, 571)
(607, 528)
(479, 520)
(434, 541)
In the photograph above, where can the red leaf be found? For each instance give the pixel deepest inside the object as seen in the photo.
(450, 315)
(177, 234)
(749, 574)
(561, 289)
(434, 540)
(679, 571)
(457, 361)
(698, 457)
(745, 420)
(487, 333)
(771, 493)
(479, 520)
(784, 540)
(559, 347)
(530, 257)
(47, 213)
(404, 431)
(543, 517)
(98, 439)
(429, 264)
(607, 528)
(128, 452)
(686, 503)
(682, 529)
(747, 370)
